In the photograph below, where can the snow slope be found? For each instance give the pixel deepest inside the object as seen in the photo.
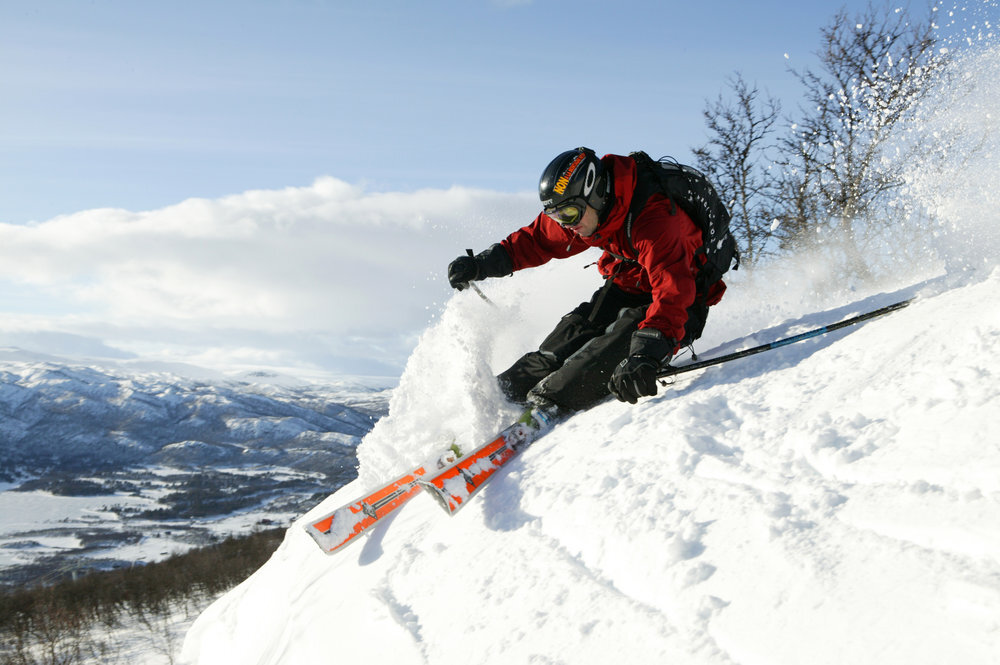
(835, 501)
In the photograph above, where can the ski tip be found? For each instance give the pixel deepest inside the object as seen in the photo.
(322, 539)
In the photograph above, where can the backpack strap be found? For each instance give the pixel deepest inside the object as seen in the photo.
(646, 184)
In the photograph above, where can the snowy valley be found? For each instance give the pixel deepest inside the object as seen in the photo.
(106, 464)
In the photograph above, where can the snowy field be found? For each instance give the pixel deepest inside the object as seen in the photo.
(835, 501)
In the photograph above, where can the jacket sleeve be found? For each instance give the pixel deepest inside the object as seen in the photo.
(541, 241)
(666, 240)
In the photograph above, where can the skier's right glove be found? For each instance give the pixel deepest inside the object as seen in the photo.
(493, 262)
(635, 377)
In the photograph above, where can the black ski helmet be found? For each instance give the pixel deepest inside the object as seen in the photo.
(574, 175)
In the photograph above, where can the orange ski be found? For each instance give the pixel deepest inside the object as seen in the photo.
(456, 484)
(343, 526)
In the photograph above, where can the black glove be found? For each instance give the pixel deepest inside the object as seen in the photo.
(461, 271)
(493, 262)
(635, 376)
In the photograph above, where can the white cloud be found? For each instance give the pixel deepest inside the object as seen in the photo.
(329, 261)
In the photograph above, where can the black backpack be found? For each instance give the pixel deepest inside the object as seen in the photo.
(690, 189)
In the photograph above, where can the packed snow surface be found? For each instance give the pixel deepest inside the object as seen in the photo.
(834, 501)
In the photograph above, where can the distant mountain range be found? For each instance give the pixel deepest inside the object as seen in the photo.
(164, 454)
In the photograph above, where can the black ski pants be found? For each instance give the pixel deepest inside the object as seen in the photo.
(573, 364)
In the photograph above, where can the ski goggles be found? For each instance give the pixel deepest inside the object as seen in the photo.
(567, 214)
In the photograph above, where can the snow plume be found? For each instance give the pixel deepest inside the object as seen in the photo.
(447, 393)
(957, 183)
(943, 155)
(942, 218)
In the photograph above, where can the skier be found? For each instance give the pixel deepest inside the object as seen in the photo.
(647, 309)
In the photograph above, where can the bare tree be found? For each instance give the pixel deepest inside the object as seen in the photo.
(874, 68)
(796, 206)
(734, 157)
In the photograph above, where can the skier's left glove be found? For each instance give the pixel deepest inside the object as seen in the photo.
(635, 376)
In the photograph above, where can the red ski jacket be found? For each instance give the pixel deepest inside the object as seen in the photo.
(663, 235)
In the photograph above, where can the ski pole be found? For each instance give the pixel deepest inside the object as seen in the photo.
(481, 294)
(475, 287)
(673, 371)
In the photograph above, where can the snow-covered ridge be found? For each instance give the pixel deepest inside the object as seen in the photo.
(75, 417)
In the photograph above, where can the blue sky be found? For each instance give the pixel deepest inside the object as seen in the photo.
(139, 105)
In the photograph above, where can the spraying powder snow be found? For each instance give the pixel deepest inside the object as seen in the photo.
(958, 182)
